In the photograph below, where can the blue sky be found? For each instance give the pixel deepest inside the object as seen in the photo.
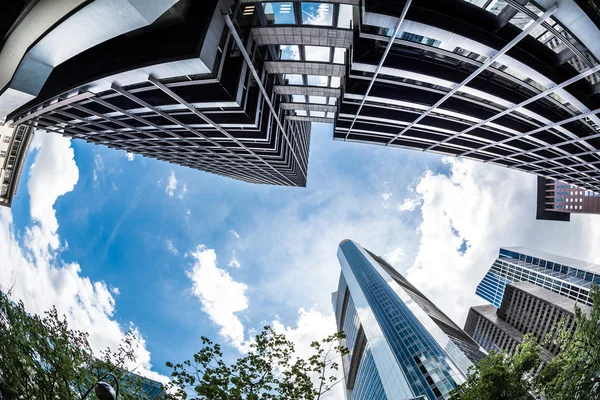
(178, 253)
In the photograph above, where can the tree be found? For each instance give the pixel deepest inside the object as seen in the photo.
(503, 377)
(268, 371)
(41, 358)
(575, 372)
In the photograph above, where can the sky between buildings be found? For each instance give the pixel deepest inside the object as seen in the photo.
(121, 242)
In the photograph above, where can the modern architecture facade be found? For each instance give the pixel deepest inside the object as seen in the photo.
(530, 293)
(401, 345)
(558, 199)
(232, 87)
(14, 144)
(566, 276)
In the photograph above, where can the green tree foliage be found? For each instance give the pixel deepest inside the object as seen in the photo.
(574, 374)
(502, 377)
(268, 371)
(41, 358)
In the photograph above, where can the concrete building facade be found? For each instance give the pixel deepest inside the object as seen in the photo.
(14, 144)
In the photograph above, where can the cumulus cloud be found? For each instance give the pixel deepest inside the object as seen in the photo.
(98, 167)
(33, 267)
(409, 204)
(115, 290)
(171, 185)
(395, 256)
(171, 248)
(234, 262)
(221, 296)
(130, 156)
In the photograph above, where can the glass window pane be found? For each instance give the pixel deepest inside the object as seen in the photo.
(279, 13)
(345, 16)
(332, 101)
(339, 56)
(317, 80)
(289, 52)
(317, 53)
(301, 113)
(293, 79)
(317, 114)
(299, 98)
(317, 14)
(317, 99)
(330, 115)
(335, 81)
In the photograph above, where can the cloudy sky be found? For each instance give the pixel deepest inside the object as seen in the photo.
(121, 242)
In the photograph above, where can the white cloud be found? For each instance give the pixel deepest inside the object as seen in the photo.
(386, 196)
(409, 204)
(395, 256)
(234, 262)
(171, 185)
(311, 326)
(221, 296)
(130, 156)
(488, 207)
(98, 167)
(234, 233)
(115, 290)
(183, 190)
(172, 249)
(34, 269)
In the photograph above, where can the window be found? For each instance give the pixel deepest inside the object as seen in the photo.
(301, 113)
(294, 79)
(317, 80)
(317, 14)
(320, 114)
(345, 16)
(298, 98)
(289, 52)
(335, 81)
(317, 99)
(339, 56)
(2, 153)
(317, 53)
(332, 101)
(6, 139)
(279, 13)
(330, 115)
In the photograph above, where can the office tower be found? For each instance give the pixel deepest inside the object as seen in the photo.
(14, 144)
(232, 87)
(401, 345)
(530, 292)
(558, 199)
(566, 276)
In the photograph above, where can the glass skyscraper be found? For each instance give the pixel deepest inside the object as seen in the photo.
(566, 276)
(401, 345)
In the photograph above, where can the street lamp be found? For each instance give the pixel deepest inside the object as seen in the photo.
(103, 390)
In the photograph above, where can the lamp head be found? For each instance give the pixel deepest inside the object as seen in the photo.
(104, 391)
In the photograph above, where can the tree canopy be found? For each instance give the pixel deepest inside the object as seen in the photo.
(41, 358)
(268, 371)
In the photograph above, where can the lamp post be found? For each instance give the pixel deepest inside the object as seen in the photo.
(103, 390)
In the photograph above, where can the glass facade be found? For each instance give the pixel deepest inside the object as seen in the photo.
(397, 351)
(562, 277)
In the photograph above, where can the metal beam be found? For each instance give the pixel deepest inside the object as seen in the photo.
(381, 62)
(526, 102)
(242, 49)
(532, 132)
(479, 70)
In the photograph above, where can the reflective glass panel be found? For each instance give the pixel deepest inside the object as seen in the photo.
(294, 79)
(339, 56)
(345, 16)
(319, 114)
(317, 99)
(279, 13)
(301, 113)
(335, 81)
(317, 53)
(317, 80)
(299, 98)
(289, 52)
(317, 14)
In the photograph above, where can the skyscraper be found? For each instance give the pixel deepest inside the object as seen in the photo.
(232, 87)
(401, 345)
(566, 276)
(558, 199)
(530, 292)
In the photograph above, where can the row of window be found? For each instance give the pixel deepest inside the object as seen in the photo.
(567, 207)
(291, 52)
(319, 14)
(313, 80)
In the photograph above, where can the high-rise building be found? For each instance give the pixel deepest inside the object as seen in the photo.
(566, 276)
(530, 292)
(14, 144)
(232, 87)
(558, 199)
(401, 345)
